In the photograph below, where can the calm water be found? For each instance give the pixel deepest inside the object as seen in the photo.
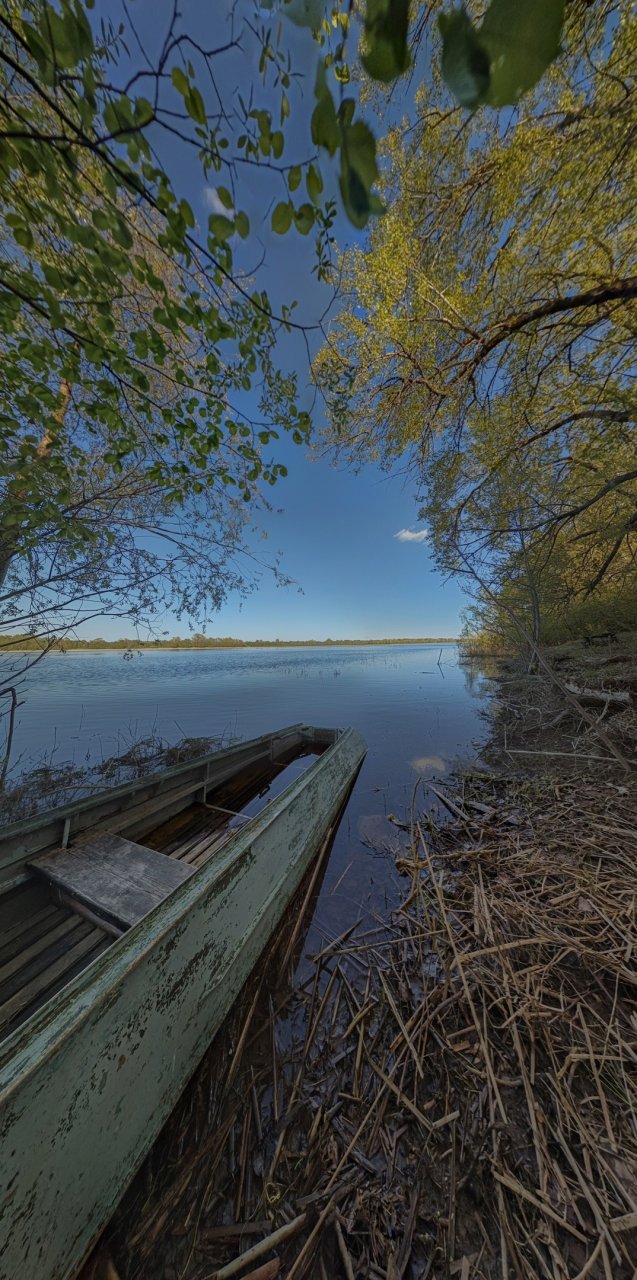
(417, 718)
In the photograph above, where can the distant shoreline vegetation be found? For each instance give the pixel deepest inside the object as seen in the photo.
(198, 641)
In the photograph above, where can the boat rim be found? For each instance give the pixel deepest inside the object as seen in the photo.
(39, 1037)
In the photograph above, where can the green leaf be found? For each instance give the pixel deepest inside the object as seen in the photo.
(465, 62)
(359, 172)
(37, 45)
(22, 235)
(225, 197)
(220, 226)
(186, 213)
(522, 38)
(180, 81)
(314, 184)
(294, 177)
(346, 112)
(305, 13)
(242, 225)
(118, 116)
(361, 152)
(121, 232)
(355, 196)
(386, 30)
(506, 56)
(195, 105)
(277, 144)
(324, 124)
(63, 35)
(143, 112)
(282, 217)
(304, 218)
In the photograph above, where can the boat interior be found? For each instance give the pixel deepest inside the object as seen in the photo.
(75, 894)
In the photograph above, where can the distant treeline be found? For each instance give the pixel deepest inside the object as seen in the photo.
(198, 641)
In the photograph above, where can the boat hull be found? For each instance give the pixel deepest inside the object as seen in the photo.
(86, 1083)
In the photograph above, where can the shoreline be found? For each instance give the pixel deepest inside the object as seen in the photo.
(236, 648)
(477, 1114)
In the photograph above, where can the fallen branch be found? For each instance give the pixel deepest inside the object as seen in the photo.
(600, 697)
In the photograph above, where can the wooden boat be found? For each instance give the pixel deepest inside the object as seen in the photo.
(128, 925)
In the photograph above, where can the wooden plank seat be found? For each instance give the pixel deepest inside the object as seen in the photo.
(117, 880)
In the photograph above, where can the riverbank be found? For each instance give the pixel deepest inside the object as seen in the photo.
(449, 1090)
(24, 644)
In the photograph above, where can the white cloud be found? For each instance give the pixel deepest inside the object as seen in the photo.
(422, 763)
(214, 203)
(412, 535)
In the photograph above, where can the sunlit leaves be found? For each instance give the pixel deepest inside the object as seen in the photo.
(510, 417)
(112, 288)
(314, 183)
(220, 226)
(282, 217)
(304, 218)
(242, 225)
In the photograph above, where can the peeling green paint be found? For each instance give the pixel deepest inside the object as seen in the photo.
(87, 1082)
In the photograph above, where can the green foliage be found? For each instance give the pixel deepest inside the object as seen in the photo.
(197, 641)
(502, 59)
(488, 334)
(386, 30)
(128, 338)
(359, 171)
(129, 335)
(465, 61)
(282, 217)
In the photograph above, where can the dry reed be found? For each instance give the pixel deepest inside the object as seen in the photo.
(454, 1096)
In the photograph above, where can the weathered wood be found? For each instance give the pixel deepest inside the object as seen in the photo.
(167, 791)
(58, 942)
(29, 928)
(87, 940)
(87, 1082)
(600, 697)
(41, 943)
(21, 904)
(80, 908)
(115, 878)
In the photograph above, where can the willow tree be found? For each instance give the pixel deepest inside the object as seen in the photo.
(488, 326)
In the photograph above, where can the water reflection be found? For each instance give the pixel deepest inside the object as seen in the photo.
(417, 708)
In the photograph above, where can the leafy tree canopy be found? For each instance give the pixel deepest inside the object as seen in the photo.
(488, 330)
(130, 334)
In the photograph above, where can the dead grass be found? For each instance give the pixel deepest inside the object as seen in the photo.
(453, 1093)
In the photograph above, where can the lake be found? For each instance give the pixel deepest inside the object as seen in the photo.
(417, 716)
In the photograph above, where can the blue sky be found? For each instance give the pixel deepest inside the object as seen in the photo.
(335, 530)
